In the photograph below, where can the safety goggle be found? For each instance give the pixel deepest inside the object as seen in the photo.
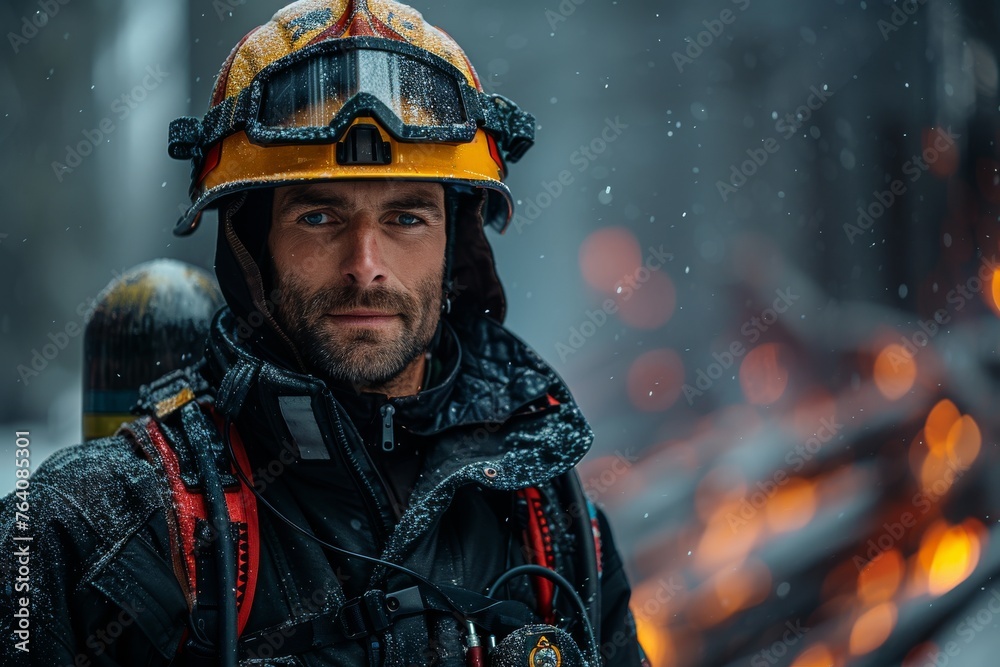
(313, 95)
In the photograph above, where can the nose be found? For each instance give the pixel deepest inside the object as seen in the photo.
(362, 259)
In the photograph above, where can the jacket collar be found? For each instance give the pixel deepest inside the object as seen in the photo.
(488, 375)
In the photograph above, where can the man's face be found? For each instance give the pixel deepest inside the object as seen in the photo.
(360, 266)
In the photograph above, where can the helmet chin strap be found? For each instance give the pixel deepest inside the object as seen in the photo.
(451, 215)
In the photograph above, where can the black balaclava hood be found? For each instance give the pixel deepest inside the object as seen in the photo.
(243, 274)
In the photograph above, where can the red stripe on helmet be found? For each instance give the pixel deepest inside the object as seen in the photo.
(221, 83)
(212, 158)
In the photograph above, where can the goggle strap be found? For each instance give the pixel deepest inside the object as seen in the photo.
(515, 129)
(189, 137)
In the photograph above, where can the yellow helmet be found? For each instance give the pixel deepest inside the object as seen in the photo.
(349, 89)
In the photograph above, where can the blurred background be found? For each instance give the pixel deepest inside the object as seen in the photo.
(758, 238)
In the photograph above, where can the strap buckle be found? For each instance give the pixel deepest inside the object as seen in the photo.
(365, 615)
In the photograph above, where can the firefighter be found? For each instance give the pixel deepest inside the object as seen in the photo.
(366, 467)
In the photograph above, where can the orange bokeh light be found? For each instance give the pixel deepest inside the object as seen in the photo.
(995, 291)
(895, 371)
(650, 304)
(792, 506)
(608, 256)
(730, 591)
(880, 579)
(949, 554)
(818, 655)
(655, 379)
(940, 420)
(872, 628)
(944, 464)
(655, 641)
(964, 441)
(730, 534)
(938, 142)
(762, 376)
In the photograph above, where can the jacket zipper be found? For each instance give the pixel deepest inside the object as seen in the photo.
(388, 444)
(370, 498)
(388, 439)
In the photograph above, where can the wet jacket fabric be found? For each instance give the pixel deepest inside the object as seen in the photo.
(493, 419)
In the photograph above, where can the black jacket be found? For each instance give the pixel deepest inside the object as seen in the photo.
(102, 586)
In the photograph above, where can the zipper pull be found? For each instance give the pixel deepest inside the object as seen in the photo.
(388, 441)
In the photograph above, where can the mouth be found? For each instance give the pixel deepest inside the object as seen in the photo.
(364, 318)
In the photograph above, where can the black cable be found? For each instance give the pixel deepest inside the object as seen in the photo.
(350, 554)
(561, 581)
(588, 552)
(225, 555)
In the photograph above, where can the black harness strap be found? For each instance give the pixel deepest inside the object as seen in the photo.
(374, 613)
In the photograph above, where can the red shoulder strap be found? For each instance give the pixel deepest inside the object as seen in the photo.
(189, 506)
(538, 548)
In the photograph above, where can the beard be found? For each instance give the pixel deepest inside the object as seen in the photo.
(364, 357)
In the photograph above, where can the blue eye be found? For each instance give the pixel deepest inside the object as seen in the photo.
(313, 218)
(408, 220)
